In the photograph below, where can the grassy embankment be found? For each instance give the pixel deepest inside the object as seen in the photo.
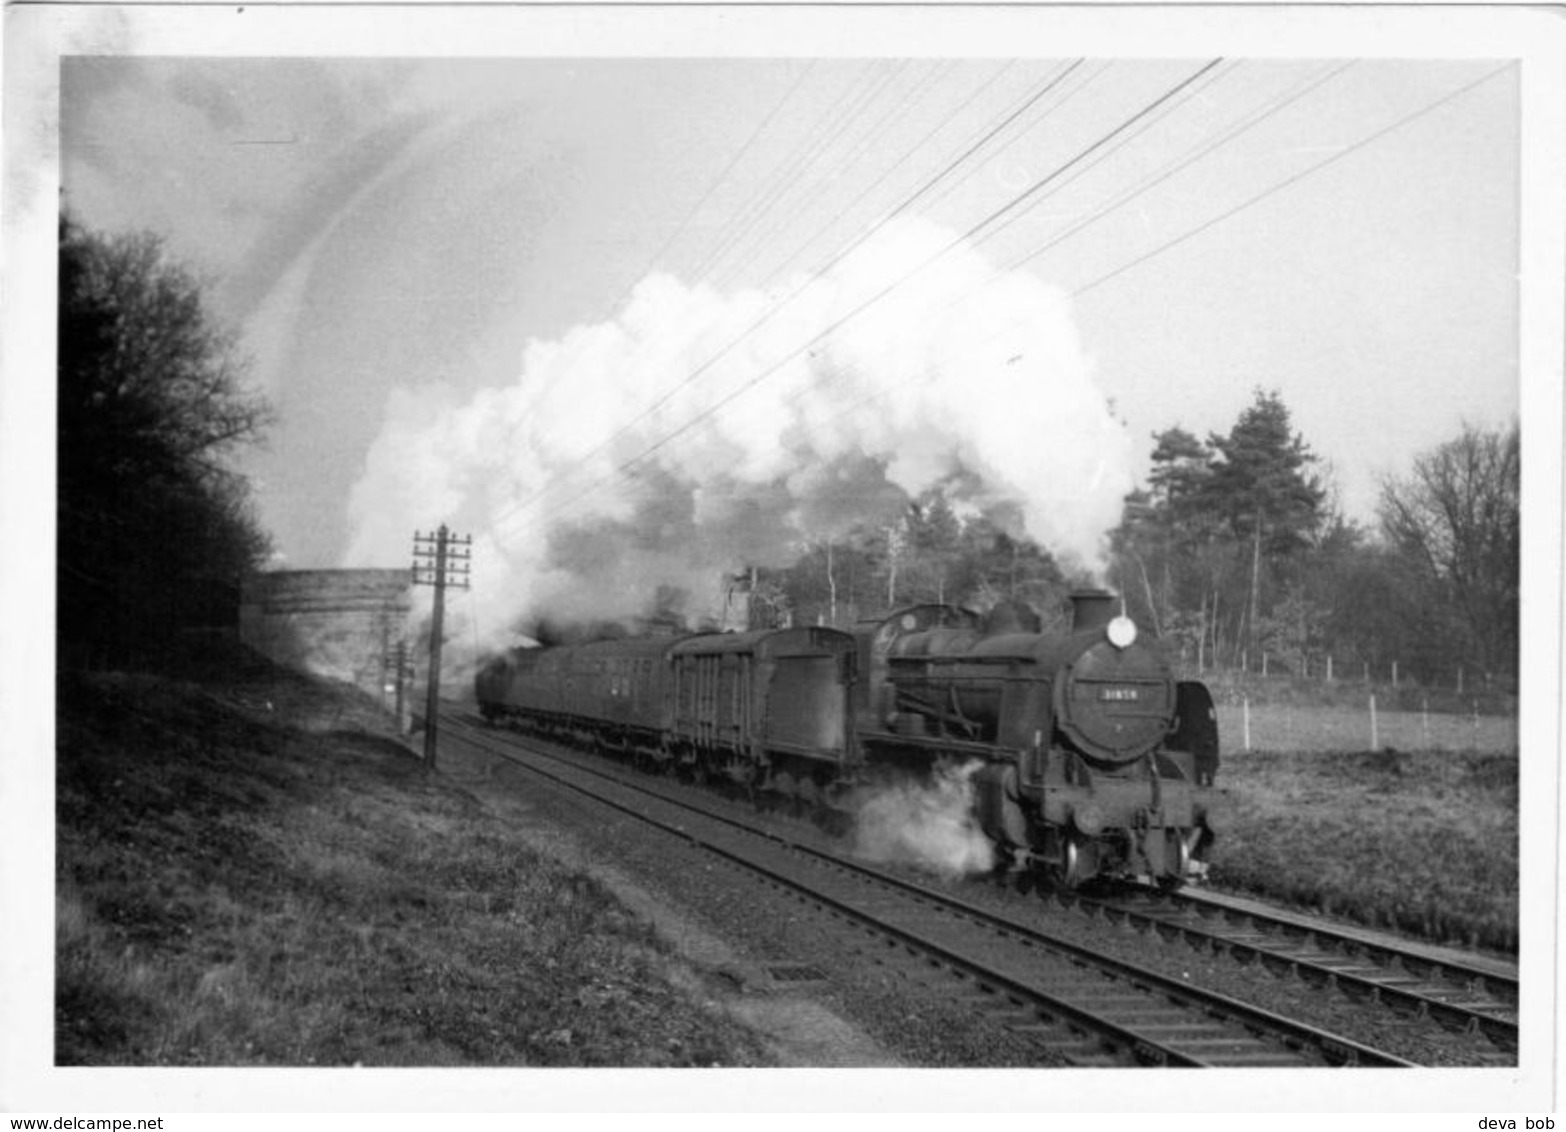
(1418, 831)
(262, 875)
(1425, 842)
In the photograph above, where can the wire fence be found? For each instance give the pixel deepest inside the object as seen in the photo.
(1463, 679)
(1248, 726)
(1457, 692)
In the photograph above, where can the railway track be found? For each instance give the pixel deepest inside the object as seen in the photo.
(1088, 1009)
(1462, 995)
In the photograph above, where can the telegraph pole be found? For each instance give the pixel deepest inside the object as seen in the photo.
(444, 563)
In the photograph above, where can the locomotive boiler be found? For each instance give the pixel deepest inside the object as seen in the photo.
(1093, 759)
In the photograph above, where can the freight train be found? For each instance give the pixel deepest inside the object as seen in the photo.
(1087, 757)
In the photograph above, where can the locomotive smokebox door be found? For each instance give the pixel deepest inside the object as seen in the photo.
(1114, 704)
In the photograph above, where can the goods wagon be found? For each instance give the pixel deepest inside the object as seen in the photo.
(771, 709)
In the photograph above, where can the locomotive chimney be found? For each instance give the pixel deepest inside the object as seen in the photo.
(1092, 609)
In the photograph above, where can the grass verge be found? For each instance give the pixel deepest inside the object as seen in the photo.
(262, 875)
(1424, 842)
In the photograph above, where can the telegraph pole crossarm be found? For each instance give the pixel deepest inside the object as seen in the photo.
(441, 559)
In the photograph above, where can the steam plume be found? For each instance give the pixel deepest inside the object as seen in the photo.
(591, 489)
(928, 826)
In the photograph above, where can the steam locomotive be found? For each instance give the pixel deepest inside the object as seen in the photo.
(1087, 757)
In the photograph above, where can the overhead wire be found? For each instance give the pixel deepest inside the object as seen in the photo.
(1268, 110)
(722, 176)
(1292, 180)
(967, 236)
(917, 147)
(1197, 90)
(779, 215)
(738, 223)
(1147, 184)
(778, 184)
(755, 205)
(1027, 104)
(1241, 127)
(1049, 84)
(831, 119)
(1067, 95)
(1265, 111)
(1195, 153)
(712, 187)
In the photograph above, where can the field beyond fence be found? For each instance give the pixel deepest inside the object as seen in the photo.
(1421, 842)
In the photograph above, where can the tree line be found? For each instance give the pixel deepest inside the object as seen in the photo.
(1232, 552)
(155, 530)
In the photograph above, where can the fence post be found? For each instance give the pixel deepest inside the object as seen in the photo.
(1394, 674)
(1264, 664)
(1247, 715)
(1329, 668)
(1459, 679)
(1375, 740)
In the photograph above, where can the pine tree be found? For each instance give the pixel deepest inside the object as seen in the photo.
(1182, 465)
(1259, 484)
(1260, 488)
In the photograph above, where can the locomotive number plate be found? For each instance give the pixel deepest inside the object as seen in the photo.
(1120, 695)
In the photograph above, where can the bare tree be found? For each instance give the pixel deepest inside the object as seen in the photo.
(151, 403)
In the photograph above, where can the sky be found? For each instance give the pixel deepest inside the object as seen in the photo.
(394, 239)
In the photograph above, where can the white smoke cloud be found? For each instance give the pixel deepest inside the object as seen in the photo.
(607, 472)
(930, 827)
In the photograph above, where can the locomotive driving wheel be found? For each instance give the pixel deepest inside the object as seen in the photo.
(1074, 865)
(1071, 874)
(1177, 850)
